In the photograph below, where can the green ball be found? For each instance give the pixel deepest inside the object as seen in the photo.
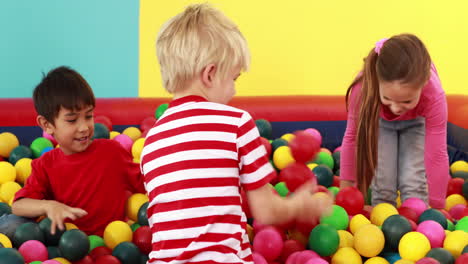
(143, 215)
(450, 225)
(101, 131)
(337, 172)
(160, 110)
(278, 143)
(339, 218)
(442, 255)
(369, 197)
(462, 224)
(4, 209)
(10, 256)
(38, 145)
(433, 214)
(465, 250)
(325, 159)
(144, 259)
(324, 175)
(264, 128)
(54, 252)
(35, 262)
(95, 241)
(281, 189)
(334, 190)
(18, 153)
(336, 158)
(27, 231)
(394, 228)
(324, 240)
(74, 244)
(465, 189)
(135, 226)
(50, 240)
(127, 253)
(457, 174)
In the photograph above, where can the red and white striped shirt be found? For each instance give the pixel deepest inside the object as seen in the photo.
(195, 160)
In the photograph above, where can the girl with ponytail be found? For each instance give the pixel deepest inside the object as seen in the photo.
(395, 138)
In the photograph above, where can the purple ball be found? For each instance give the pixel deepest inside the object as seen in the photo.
(433, 231)
(418, 205)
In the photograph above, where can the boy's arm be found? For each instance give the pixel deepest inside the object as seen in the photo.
(131, 170)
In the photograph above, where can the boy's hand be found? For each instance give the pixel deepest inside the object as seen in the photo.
(58, 212)
(310, 207)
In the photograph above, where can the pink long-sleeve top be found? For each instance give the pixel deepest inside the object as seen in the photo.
(433, 107)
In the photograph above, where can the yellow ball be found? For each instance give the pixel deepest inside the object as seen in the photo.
(404, 261)
(8, 190)
(346, 239)
(455, 242)
(5, 241)
(369, 240)
(376, 260)
(250, 233)
(459, 166)
(312, 165)
(8, 142)
(133, 132)
(113, 134)
(7, 172)
(134, 203)
(137, 147)
(117, 232)
(23, 169)
(288, 137)
(346, 255)
(453, 200)
(62, 260)
(398, 200)
(381, 212)
(414, 246)
(282, 157)
(70, 226)
(357, 222)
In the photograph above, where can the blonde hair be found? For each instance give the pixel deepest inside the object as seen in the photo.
(195, 38)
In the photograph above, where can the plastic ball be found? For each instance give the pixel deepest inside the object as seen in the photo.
(288, 137)
(113, 134)
(134, 203)
(324, 175)
(33, 250)
(117, 232)
(305, 256)
(70, 226)
(462, 224)
(376, 260)
(338, 218)
(126, 252)
(100, 251)
(133, 132)
(408, 213)
(58, 260)
(416, 204)
(106, 259)
(10, 256)
(455, 186)
(453, 200)
(74, 244)
(258, 259)
(5, 241)
(125, 141)
(369, 241)
(304, 146)
(295, 175)
(414, 246)
(7, 172)
(381, 212)
(346, 239)
(403, 261)
(53, 252)
(458, 211)
(433, 231)
(282, 157)
(95, 241)
(49, 137)
(351, 199)
(357, 222)
(427, 260)
(394, 227)
(324, 158)
(463, 259)
(8, 142)
(143, 214)
(160, 110)
(289, 247)
(19, 153)
(441, 255)
(346, 255)
(315, 133)
(455, 242)
(50, 240)
(8, 190)
(142, 239)
(324, 240)
(23, 170)
(459, 165)
(147, 123)
(38, 145)
(101, 131)
(268, 243)
(317, 261)
(433, 214)
(104, 120)
(27, 231)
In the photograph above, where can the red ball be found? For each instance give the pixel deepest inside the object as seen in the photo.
(427, 260)
(289, 247)
(336, 181)
(100, 251)
(458, 211)
(147, 123)
(142, 239)
(413, 224)
(455, 186)
(107, 259)
(463, 259)
(295, 175)
(304, 146)
(446, 214)
(85, 260)
(351, 199)
(104, 120)
(408, 213)
(267, 146)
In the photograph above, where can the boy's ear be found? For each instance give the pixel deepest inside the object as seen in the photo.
(208, 75)
(45, 125)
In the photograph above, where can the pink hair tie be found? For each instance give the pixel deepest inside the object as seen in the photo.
(379, 44)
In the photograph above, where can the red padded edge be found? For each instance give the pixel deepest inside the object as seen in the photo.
(130, 111)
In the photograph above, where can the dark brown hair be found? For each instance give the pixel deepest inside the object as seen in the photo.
(62, 87)
(402, 58)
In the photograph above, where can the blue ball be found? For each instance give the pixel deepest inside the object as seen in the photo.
(46, 149)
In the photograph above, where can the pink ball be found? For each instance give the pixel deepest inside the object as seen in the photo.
(268, 243)
(258, 259)
(305, 256)
(49, 137)
(427, 261)
(33, 250)
(337, 149)
(458, 211)
(257, 226)
(314, 132)
(292, 258)
(418, 205)
(433, 231)
(317, 261)
(125, 141)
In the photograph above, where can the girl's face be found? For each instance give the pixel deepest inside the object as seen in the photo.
(398, 97)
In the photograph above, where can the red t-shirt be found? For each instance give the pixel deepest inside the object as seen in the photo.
(94, 180)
